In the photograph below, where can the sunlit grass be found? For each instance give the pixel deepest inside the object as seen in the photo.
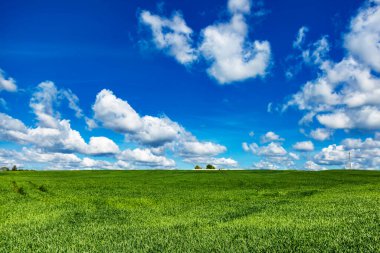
(190, 211)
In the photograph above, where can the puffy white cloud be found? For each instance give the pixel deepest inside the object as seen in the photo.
(310, 165)
(101, 146)
(346, 93)
(304, 146)
(145, 157)
(171, 35)
(36, 158)
(239, 6)
(364, 36)
(156, 131)
(52, 133)
(225, 46)
(232, 57)
(265, 165)
(115, 113)
(321, 134)
(270, 136)
(196, 148)
(218, 162)
(7, 84)
(332, 155)
(272, 149)
(159, 133)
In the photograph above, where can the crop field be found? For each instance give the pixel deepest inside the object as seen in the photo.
(190, 211)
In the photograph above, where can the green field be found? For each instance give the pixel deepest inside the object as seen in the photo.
(190, 211)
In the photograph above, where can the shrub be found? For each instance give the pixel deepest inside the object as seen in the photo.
(210, 167)
(197, 167)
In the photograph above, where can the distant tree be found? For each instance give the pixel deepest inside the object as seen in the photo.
(4, 169)
(14, 168)
(210, 167)
(197, 167)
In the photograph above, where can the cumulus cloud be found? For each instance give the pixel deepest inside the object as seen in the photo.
(52, 133)
(310, 165)
(332, 155)
(304, 146)
(345, 94)
(116, 114)
(218, 162)
(157, 133)
(196, 148)
(36, 158)
(145, 157)
(321, 134)
(53, 137)
(232, 57)
(351, 153)
(224, 45)
(270, 136)
(363, 39)
(171, 35)
(7, 84)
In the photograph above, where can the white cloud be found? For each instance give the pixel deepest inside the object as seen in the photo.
(115, 113)
(270, 136)
(225, 46)
(36, 158)
(239, 6)
(7, 84)
(253, 147)
(346, 93)
(272, 149)
(145, 157)
(251, 134)
(52, 133)
(304, 146)
(363, 39)
(102, 145)
(196, 148)
(218, 162)
(332, 155)
(310, 165)
(171, 35)
(265, 165)
(73, 102)
(321, 134)
(232, 57)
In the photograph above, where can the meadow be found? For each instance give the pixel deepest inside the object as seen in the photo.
(190, 211)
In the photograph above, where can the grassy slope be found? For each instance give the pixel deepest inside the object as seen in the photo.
(183, 211)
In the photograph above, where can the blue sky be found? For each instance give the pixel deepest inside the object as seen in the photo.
(170, 84)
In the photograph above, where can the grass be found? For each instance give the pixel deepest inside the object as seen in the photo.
(190, 211)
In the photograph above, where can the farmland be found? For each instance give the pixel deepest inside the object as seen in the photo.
(189, 211)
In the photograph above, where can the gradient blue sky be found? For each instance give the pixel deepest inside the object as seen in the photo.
(323, 59)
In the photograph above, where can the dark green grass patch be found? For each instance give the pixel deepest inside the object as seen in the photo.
(190, 211)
